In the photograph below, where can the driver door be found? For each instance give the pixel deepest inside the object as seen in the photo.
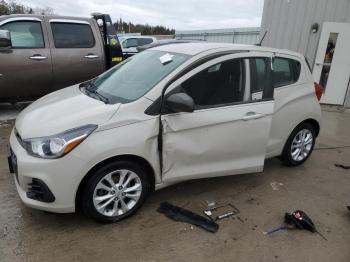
(26, 68)
(229, 129)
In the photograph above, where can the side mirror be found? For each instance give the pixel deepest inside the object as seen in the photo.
(180, 102)
(5, 39)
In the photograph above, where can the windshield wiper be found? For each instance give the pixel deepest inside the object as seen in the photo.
(91, 89)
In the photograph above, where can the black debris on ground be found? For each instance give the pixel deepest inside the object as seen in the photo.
(184, 215)
(342, 166)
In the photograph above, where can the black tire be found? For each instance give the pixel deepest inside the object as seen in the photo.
(286, 156)
(87, 204)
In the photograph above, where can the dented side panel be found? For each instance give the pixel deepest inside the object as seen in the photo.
(216, 141)
(127, 133)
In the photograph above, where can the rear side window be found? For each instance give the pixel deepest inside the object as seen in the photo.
(285, 71)
(25, 34)
(70, 35)
(144, 41)
(131, 42)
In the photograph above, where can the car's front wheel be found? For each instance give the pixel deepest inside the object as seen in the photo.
(115, 191)
(299, 146)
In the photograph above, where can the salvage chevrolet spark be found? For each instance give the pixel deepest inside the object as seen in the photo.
(166, 115)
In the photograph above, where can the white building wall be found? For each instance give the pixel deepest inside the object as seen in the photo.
(288, 23)
(249, 35)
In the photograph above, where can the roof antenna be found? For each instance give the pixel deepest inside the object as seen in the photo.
(262, 39)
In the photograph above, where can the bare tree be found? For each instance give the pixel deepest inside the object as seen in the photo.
(12, 7)
(43, 11)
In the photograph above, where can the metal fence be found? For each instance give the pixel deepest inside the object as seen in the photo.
(248, 35)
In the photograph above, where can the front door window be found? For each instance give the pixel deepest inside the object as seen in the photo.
(219, 84)
(25, 34)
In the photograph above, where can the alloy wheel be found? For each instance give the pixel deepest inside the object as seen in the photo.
(302, 145)
(117, 192)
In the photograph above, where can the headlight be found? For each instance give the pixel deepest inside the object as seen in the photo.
(58, 145)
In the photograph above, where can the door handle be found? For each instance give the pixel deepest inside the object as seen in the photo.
(252, 115)
(38, 57)
(91, 56)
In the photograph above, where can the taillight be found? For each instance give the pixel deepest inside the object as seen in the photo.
(318, 90)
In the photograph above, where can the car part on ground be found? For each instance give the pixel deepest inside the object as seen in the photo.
(184, 215)
(342, 166)
(220, 212)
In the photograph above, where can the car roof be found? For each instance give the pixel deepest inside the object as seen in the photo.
(4, 17)
(135, 36)
(196, 48)
(165, 42)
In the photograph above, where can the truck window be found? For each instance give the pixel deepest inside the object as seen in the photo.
(130, 42)
(71, 35)
(25, 34)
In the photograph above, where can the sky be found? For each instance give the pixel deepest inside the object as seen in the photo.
(177, 14)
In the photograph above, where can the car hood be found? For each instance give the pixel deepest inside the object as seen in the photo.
(60, 111)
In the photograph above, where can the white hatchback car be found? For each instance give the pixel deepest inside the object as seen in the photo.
(165, 115)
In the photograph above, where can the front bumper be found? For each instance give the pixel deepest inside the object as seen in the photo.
(61, 176)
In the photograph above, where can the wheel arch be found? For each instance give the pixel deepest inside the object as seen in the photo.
(312, 122)
(132, 158)
(283, 157)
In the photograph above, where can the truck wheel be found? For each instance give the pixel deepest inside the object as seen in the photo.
(115, 191)
(299, 145)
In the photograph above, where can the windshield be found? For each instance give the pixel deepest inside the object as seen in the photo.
(134, 77)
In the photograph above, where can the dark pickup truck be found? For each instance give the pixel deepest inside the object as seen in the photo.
(40, 54)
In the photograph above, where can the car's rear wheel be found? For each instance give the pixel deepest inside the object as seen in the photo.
(299, 146)
(115, 191)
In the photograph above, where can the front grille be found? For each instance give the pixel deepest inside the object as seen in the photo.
(38, 190)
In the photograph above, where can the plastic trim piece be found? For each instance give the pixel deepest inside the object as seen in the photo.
(23, 18)
(39, 191)
(184, 215)
(69, 21)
